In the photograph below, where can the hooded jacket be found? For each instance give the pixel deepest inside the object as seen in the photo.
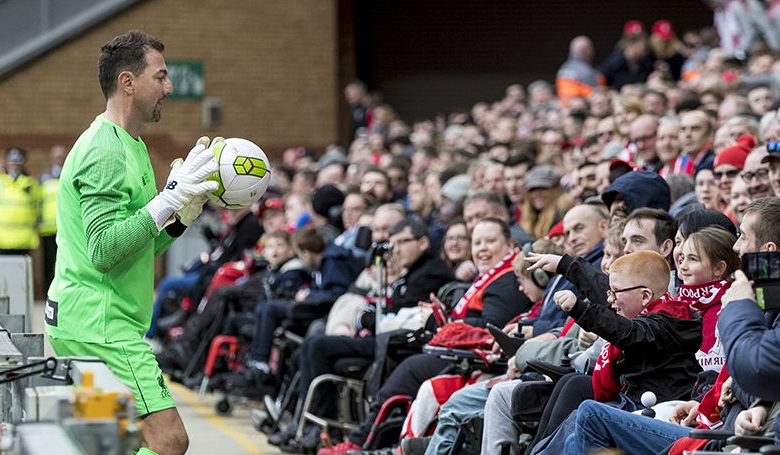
(639, 189)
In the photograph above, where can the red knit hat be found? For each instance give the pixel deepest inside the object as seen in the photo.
(556, 230)
(737, 153)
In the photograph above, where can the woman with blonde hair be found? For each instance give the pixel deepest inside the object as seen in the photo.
(545, 203)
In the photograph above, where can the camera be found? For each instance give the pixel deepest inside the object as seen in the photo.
(763, 269)
(382, 247)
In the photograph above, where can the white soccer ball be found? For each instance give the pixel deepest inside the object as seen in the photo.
(243, 175)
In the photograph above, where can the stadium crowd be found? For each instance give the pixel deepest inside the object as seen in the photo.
(598, 220)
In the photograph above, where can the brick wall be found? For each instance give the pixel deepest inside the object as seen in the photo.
(273, 65)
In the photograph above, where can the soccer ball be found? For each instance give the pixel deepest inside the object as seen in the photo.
(243, 174)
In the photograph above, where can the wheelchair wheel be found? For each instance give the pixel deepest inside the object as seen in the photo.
(223, 407)
(261, 420)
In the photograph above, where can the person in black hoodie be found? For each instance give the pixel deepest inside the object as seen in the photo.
(634, 190)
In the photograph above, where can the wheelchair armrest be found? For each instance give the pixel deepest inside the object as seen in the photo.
(718, 435)
(751, 443)
(555, 372)
(469, 359)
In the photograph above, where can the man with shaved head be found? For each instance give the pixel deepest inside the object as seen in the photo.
(577, 77)
(696, 133)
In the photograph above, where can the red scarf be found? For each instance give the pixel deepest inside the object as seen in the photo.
(606, 384)
(472, 299)
(705, 298)
(708, 417)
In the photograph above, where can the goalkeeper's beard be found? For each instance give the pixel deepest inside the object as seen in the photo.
(157, 112)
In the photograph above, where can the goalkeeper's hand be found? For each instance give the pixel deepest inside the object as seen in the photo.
(186, 182)
(192, 211)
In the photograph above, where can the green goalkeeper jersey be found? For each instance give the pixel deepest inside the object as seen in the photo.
(104, 275)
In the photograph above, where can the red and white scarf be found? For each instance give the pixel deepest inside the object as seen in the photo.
(606, 384)
(472, 298)
(705, 298)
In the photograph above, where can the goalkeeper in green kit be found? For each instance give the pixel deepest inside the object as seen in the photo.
(112, 222)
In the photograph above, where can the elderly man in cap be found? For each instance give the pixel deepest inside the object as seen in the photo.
(20, 205)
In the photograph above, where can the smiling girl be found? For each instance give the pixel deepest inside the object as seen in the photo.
(706, 262)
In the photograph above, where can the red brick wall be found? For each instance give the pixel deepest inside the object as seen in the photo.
(273, 64)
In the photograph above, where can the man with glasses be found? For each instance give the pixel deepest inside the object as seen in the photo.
(423, 273)
(642, 134)
(756, 174)
(773, 159)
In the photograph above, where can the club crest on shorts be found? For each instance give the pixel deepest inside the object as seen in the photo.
(164, 392)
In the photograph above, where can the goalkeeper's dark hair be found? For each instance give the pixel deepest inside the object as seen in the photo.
(126, 52)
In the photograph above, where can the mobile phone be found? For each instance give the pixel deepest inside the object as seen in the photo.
(438, 315)
(763, 269)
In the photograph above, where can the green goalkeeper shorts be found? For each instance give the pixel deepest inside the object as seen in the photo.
(132, 362)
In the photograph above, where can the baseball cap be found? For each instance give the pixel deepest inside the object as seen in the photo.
(663, 29)
(615, 163)
(544, 176)
(456, 188)
(774, 152)
(273, 203)
(633, 27)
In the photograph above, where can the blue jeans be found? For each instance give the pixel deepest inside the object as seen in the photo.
(603, 426)
(465, 403)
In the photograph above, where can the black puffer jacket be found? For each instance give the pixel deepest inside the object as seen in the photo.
(658, 349)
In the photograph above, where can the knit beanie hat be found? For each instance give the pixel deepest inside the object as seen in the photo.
(737, 153)
(325, 199)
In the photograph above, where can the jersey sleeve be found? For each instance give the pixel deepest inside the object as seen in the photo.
(113, 228)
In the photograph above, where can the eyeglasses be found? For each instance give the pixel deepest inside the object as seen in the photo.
(612, 293)
(403, 241)
(761, 174)
(729, 174)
